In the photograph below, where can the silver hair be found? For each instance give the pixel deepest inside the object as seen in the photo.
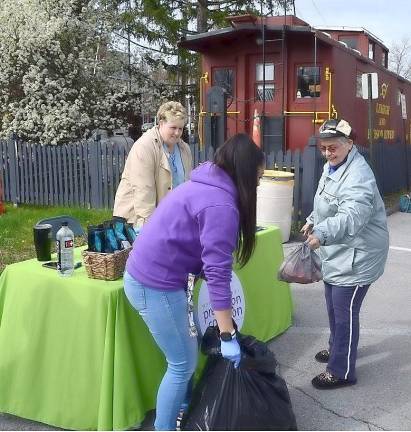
(344, 140)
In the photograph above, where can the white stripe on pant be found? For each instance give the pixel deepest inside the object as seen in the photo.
(349, 344)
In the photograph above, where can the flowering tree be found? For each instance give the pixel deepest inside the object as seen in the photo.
(53, 88)
(62, 73)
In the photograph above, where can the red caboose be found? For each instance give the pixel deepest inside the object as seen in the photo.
(306, 74)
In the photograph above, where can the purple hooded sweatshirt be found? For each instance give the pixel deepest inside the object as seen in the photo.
(194, 228)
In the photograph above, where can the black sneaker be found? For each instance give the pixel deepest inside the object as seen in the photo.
(323, 356)
(328, 381)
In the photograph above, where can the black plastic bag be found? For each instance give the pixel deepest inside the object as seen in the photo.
(251, 397)
(303, 266)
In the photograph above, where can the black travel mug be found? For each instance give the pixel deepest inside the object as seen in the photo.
(42, 241)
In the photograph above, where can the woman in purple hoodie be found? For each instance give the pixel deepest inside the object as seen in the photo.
(195, 229)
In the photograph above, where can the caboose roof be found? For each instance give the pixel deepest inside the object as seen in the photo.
(352, 30)
(248, 26)
(203, 41)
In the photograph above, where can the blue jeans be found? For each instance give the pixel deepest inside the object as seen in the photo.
(165, 314)
(343, 307)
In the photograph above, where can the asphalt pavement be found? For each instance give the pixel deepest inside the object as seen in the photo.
(381, 398)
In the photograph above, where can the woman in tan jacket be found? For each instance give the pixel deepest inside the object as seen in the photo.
(158, 162)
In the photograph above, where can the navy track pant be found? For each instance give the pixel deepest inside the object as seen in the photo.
(343, 306)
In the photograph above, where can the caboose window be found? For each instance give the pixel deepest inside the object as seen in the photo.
(351, 41)
(224, 77)
(399, 93)
(269, 72)
(358, 90)
(268, 89)
(384, 59)
(371, 50)
(269, 92)
(308, 82)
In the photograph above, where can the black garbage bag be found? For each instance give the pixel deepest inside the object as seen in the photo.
(251, 397)
(303, 266)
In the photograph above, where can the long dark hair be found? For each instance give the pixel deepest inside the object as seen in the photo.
(240, 158)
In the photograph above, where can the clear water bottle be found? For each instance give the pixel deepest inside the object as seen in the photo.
(65, 250)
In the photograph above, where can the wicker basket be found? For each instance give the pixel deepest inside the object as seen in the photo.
(107, 266)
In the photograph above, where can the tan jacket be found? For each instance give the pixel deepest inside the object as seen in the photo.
(146, 177)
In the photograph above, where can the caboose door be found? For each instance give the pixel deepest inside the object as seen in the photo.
(265, 82)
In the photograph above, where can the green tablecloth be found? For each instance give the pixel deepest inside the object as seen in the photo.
(74, 354)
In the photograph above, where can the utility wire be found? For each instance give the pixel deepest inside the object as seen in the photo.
(145, 47)
(318, 11)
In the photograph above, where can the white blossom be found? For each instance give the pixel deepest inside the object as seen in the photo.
(49, 92)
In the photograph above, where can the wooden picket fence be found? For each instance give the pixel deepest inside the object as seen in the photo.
(87, 174)
(2, 207)
(84, 174)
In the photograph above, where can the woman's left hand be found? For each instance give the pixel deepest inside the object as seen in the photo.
(313, 242)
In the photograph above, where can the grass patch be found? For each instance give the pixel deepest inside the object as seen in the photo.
(390, 200)
(295, 230)
(16, 228)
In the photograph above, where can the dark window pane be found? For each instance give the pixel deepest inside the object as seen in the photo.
(224, 77)
(371, 50)
(308, 82)
(384, 59)
(351, 41)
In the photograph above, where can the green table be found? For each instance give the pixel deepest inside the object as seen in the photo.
(74, 354)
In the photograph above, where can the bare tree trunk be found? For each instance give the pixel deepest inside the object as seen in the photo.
(202, 14)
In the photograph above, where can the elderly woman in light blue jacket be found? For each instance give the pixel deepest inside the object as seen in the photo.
(349, 226)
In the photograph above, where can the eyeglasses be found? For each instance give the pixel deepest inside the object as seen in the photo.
(331, 148)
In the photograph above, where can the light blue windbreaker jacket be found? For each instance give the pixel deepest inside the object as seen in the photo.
(350, 221)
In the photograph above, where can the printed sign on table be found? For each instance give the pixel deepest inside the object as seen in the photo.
(204, 315)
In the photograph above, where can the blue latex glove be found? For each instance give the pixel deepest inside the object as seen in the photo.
(231, 351)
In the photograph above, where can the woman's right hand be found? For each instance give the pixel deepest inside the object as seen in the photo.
(231, 351)
(307, 229)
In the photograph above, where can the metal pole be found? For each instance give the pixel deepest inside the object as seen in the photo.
(262, 117)
(263, 112)
(188, 97)
(284, 65)
(370, 122)
(407, 173)
(315, 81)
